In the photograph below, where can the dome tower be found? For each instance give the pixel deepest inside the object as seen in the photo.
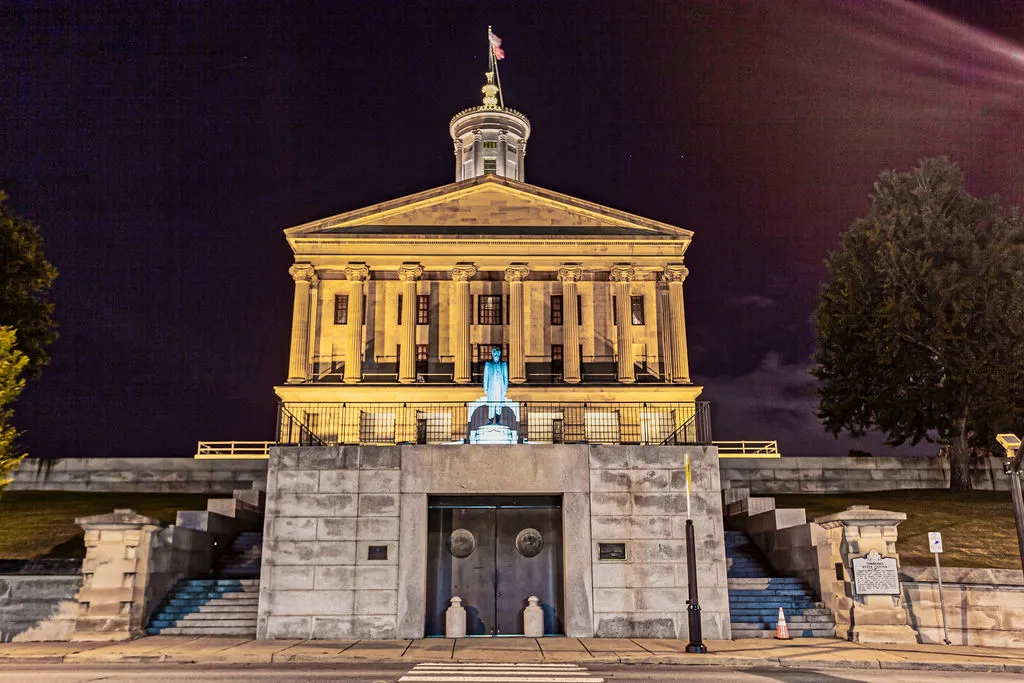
(489, 139)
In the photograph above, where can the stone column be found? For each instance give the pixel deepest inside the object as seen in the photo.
(459, 321)
(478, 154)
(298, 360)
(514, 275)
(356, 273)
(521, 159)
(314, 323)
(675, 274)
(115, 572)
(853, 533)
(408, 273)
(622, 276)
(570, 275)
(458, 159)
(499, 166)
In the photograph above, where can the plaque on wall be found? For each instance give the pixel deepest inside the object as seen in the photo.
(611, 551)
(377, 552)
(874, 574)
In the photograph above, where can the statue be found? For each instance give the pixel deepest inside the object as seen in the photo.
(495, 385)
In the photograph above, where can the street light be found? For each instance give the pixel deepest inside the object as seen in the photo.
(1011, 467)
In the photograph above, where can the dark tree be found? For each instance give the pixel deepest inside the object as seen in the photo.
(25, 280)
(920, 326)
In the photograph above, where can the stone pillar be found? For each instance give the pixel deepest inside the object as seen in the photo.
(570, 275)
(622, 276)
(521, 158)
(356, 274)
(514, 275)
(298, 360)
(478, 154)
(112, 600)
(408, 273)
(458, 159)
(499, 166)
(675, 274)
(853, 533)
(459, 322)
(314, 323)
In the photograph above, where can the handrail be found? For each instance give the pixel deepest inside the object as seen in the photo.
(233, 450)
(701, 417)
(747, 449)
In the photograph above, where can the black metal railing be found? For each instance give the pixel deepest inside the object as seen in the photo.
(531, 422)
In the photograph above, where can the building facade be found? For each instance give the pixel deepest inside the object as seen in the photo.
(384, 502)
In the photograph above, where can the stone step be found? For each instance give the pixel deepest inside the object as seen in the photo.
(236, 619)
(773, 611)
(794, 620)
(738, 633)
(243, 631)
(213, 608)
(770, 593)
(204, 623)
(220, 582)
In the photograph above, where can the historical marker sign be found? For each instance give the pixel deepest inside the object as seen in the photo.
(875, 575)
(935, 541)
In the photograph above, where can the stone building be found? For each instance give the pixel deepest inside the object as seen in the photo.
(388, 502)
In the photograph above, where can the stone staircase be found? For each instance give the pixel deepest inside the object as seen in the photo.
(755, 596)
(225, 604)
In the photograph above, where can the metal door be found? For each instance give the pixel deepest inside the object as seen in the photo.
(494, 553)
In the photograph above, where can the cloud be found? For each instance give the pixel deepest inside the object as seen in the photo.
(777, 401)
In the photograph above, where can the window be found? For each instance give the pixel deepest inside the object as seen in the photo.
(422, 309)
(490, 144)
(421, 359)
(490, 166)
(557, 361)
(636, 305)
(556, 309)
(579, 309)
(488, 309)
(483, 353)
(341, 309)
(399, 309)
(615, 310)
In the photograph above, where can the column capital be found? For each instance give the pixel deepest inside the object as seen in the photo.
(357, 271)
(302, 272)
(675, 272)
(463, 272)
(410, 272)
(517, 272)
(623, 273)
(570, 273)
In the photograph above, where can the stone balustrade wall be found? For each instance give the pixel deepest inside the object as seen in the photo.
(140, 475)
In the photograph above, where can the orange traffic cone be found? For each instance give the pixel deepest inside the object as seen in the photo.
(782, 629)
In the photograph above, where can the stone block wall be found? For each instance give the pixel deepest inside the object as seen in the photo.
(325, 507)
(37, 607)
(638, 496)
(135, 475)
(976, 614)
(764, 476)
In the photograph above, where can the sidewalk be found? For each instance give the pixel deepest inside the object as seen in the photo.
(802, 653)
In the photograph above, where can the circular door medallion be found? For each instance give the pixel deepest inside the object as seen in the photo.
(461, 543)
(529, 542)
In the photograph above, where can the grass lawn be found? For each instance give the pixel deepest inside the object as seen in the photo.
(977, 526)
(36, 524)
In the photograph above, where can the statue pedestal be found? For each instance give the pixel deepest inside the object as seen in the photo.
(498, 434)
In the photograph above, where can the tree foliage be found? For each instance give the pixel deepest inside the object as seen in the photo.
(25, 280)
(12, 364)
(920, 326)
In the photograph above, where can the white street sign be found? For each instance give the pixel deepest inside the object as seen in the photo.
(935, 541)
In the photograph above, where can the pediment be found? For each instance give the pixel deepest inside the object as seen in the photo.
(489, 204)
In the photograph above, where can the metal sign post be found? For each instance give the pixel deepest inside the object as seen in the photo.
(935, 545)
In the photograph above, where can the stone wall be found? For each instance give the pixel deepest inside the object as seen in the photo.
(638, 495)
(36, 607)
(326, 505)
(989, 615)
(852, 475)
(150, 475)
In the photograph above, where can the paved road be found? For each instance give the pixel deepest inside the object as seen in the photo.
(470, 673)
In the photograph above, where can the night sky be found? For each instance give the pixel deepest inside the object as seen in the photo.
(163, 147)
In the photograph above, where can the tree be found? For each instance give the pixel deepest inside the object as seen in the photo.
(920, 325)
(25, 280)
(12, 363)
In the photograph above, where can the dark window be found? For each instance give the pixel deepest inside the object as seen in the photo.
(421, 359)
(490, 144)
(490, 166)
(556, 309)
(636, 305)
(422, 309)
(399, 309)
(341, 309)
(557, 361)
(483, 352)
(579, 309)
(615, 310)
(488, 309)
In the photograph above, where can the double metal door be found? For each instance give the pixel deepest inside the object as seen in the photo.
(494, 553)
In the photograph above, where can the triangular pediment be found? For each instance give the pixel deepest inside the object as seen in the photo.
(487, 204)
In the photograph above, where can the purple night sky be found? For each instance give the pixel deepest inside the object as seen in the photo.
(163, 147)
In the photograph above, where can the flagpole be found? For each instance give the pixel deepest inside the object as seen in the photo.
(493, 62)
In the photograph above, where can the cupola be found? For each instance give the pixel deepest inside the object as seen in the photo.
(490, 139)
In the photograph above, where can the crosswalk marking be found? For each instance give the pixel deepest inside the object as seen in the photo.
(485, 672)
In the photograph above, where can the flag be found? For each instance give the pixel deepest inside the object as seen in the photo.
(495, 45)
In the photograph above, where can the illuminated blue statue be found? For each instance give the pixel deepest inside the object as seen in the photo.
(495, 385)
